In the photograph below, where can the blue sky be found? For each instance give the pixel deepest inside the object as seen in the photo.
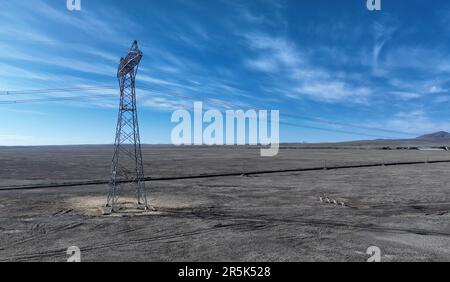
(329, 60)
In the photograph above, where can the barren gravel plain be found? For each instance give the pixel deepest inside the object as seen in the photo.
(246, 216)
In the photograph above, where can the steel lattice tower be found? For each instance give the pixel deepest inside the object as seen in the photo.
(127, 165)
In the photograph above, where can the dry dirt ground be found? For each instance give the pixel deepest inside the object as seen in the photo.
(403, 210)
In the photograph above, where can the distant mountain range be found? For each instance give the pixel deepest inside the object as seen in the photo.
(439, 139)
(435, 137)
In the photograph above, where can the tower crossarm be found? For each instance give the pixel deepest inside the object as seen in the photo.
(131, 61)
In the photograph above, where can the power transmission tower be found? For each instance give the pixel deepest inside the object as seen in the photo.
(127, 165)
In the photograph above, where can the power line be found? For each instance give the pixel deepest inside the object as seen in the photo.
(54, 90)
(281, 122)
(209, 100)
(318, 120)
(54, 99)
(334, 130)
(86, 98)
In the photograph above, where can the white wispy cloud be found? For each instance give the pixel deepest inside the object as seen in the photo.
(293, 72)
(406, 95)
(282, 50)
(383, 33)
(61, 62)
(334, 91)
(25, 112)
(263, 64)
(11, 71)
(416, 121)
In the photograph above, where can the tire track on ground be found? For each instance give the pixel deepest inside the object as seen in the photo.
(49, 232)
(264, 222)
(58, 252)
(315, 222)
